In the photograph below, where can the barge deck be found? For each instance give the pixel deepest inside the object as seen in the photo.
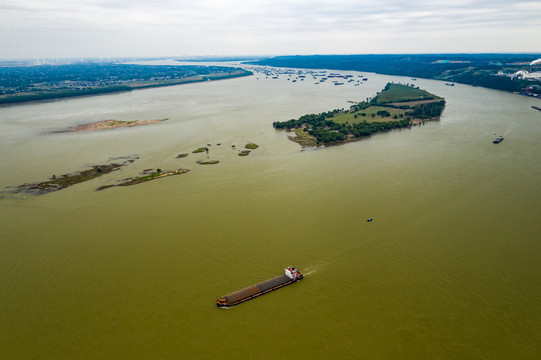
(290, 276)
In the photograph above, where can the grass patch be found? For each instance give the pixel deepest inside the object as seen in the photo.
(401, 93)
(370, 115)
(303, 138)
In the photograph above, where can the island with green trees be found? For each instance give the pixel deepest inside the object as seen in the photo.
(396, 106)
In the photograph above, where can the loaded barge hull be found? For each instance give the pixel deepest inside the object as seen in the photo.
(291, 276)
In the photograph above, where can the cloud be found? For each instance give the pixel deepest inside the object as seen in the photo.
(169, 27)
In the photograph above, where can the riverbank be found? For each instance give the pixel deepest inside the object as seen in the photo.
(53, 93)
(485, 70)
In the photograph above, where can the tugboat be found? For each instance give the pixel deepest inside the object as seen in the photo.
(290, 276)
(498, 140)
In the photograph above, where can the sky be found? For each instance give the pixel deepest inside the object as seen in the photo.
(153, 28)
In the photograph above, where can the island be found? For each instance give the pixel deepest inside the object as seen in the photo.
(146, 175)
(60, 182)
(110, 124)
(250, 146)
(396, 106)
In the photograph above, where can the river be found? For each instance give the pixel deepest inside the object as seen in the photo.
(448, 268)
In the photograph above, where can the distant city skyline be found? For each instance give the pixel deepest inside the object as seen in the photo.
(138, 28)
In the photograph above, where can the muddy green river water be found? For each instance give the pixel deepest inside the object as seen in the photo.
(450, 267)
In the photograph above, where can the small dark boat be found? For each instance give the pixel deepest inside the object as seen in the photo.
(498, 140)
(369, 219)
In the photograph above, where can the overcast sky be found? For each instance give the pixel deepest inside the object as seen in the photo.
(96, 28)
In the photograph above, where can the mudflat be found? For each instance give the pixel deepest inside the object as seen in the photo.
(111, 124)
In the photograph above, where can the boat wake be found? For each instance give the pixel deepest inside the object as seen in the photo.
(310, 271)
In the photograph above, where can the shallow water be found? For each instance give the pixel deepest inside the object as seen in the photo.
(448, 269)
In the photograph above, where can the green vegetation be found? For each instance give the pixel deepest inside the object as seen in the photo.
(396, 106)
(60, 182)
(63, 181)
(471, 69)
(200, 150)
(158, 174)
(43, 82)
(401, 93)
(303, 138)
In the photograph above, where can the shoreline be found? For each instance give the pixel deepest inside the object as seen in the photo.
(25, 98)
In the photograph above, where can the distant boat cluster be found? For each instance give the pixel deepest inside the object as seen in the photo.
(320, 76)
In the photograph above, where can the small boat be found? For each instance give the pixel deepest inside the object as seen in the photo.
(498, 140)
(370, 219)
(536, 107)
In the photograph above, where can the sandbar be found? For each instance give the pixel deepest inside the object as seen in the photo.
(111, 124)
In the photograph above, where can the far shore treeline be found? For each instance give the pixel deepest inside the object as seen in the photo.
(44, 82)
(470, 69)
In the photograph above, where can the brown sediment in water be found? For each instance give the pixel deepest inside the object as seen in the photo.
(111, 124)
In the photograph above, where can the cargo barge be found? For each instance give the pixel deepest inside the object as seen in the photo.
(290, 276)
